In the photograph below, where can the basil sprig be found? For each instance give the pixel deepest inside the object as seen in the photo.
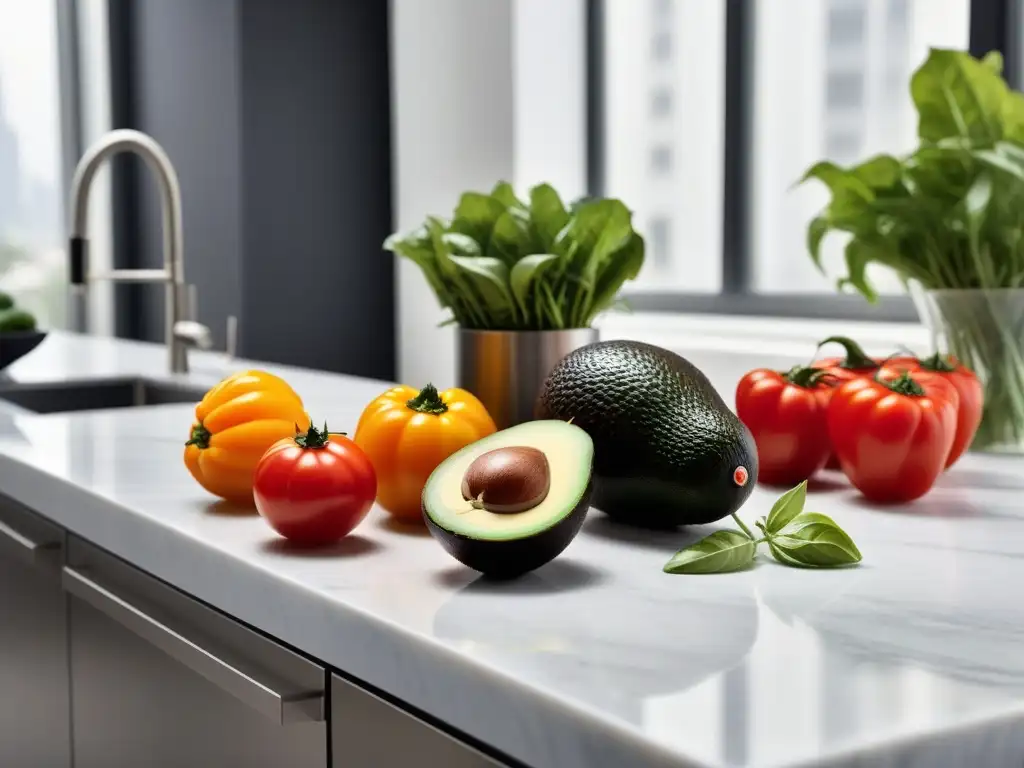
(794, 538)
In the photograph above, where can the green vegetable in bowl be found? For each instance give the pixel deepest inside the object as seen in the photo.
(6, 302)
(16, 320)
(502, 263)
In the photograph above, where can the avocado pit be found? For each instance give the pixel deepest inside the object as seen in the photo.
(507, 480)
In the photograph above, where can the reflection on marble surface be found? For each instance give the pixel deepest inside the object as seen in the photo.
(598, 660)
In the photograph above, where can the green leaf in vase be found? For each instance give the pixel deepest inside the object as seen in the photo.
(813, 540)
(789, 505)
(721, 552)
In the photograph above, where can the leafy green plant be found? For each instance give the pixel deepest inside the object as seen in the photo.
(501, 263)
(794, 537)
(948, 215)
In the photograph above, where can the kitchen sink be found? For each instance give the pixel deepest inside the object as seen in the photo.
(97, 394)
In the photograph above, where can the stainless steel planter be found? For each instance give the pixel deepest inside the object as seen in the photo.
(506, 369)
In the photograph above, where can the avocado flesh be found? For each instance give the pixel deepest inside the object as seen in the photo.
(569, 451)
(666, 444)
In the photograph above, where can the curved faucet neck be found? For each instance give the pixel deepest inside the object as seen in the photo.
(127, 140)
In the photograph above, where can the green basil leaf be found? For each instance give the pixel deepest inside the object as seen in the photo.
(547, 213)
(816, 231)
(524, 273)
(721, 552)
(958, 95)
(814, 540)
(789, 505)
(858, 255)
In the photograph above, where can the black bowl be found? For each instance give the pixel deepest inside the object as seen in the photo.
(17, 344)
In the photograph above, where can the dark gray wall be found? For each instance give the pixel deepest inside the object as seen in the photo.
(317, 203)
(187, 96)
(276, 116)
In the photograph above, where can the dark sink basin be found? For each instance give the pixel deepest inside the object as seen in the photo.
(97, 394)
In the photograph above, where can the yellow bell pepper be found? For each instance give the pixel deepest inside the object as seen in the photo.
(236, 422)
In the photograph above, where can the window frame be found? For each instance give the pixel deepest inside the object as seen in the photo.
(994, 25)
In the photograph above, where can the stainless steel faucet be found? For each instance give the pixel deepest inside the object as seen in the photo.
(181, 332)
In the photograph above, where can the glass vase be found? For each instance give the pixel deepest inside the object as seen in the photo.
(984, 329)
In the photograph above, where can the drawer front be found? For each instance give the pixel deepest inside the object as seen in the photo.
(271, 679)
(369, 732)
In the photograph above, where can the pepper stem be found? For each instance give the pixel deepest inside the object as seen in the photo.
(937, 362)
(805, 376)
(313, 437)
(427, 401)
(200, 436)
(903, 384)
(856, 358)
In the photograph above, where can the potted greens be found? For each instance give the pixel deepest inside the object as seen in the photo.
(523, 280)
(949, 218)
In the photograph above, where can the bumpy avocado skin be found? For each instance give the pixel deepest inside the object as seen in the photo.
(666, 445)
(511, 559)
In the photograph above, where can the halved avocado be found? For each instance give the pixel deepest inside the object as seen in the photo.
(512, 501)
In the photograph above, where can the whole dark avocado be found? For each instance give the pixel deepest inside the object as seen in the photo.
(668, 451)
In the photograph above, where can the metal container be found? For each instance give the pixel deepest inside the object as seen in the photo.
(506, 369)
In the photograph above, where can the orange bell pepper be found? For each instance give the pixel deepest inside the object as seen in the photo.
(407, 434)
(236, 422)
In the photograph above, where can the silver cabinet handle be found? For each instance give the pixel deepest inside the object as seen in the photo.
(22, 547)
(263, 696)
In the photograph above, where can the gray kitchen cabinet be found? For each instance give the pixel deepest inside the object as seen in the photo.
(34, 724)
(369, 732)
(159, 679)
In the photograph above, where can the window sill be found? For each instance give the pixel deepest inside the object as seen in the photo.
(775, 337)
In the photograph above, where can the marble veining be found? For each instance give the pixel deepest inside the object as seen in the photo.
(916, 658)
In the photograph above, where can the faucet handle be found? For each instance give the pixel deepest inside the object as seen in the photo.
(195, 333)
(231, 340)
(192, 302)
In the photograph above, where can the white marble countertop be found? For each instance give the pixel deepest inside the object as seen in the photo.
(599, 659)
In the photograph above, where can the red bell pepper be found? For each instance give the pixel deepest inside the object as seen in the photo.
(842, 369)
(786, 414)
(893, 432)
(968, 387)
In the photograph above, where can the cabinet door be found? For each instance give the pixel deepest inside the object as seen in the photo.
(369, 732)
(160, 680)
(34, 705)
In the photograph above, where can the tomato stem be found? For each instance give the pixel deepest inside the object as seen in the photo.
(904, 384)
(856, 358)
(313, 437)
(427, 401)
(200, 436)
(803, 376)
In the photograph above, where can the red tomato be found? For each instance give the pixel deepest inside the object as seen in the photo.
(893, 432)
(786, 414)
(314, 488)
(962, 378)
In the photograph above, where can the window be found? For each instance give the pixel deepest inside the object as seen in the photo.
(800, 117)
(666, 166)
(706, 142)
(660, 243)
(845, 90)
(32, 262)
(661, 102)
(661, 160)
